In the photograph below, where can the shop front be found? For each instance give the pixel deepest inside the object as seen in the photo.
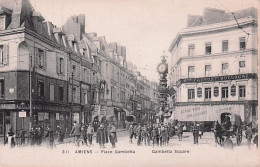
(207, 114)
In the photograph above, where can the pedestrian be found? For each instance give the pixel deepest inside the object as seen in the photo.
(90, 132)
(255, 141)
(30, 137)
(149, 131)
(83, 135)
(228, 144)
(139, 135)
(154, 136)
(22, 137)
(131, 133)
(76, 131)
(112, 136)
(196, 134)
(143, 135)
(10, 138)
(249, 135)
(159, 139)
(101, 136)
(60, 134)
(50, 136)
(179, 131)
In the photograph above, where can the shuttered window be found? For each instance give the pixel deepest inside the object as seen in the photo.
(4, 54)
(40, 58)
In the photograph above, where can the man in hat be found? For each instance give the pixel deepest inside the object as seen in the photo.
(101, 136)
(90, 132)
(154, 136)
(138, 134)
(196, 134)
(179, 131)
(249, 136)
(83, 135)
(112, 135)
(76, 131)
(50, 136)
(131, 132)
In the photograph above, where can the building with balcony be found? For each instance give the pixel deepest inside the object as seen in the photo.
(213, 66)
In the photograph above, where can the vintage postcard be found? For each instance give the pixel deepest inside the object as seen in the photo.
(129, 83)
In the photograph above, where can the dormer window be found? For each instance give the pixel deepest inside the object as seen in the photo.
(5, 17)
(2, 22)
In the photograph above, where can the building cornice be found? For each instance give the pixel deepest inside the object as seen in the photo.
(212, 28)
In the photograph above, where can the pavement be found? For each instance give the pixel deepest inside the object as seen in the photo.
(177, 153)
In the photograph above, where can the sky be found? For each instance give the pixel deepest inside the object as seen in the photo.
(145, 27)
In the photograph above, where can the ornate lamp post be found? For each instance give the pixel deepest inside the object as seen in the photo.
(162, 69)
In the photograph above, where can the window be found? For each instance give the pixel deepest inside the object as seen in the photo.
(2, 89)
(60, 65)
(191, 94)
(242, 64)
(225, 92)
(242, 43)
(225, 46)
(86, 98)
(191, 50)
(4, 49)
(122, 96)
(208, 48)
(2, 22)
(41, 58)
(224, 68)
(242, 91)
(73, 71)
(191, 70)
(85, 75)
(51, 92)
(207, 93)
(60, 93)
(41, 89)
(74, 94)
(207, 70)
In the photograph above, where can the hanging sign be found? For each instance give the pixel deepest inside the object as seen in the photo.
(199, 92)
(216, 91)
(22, 114)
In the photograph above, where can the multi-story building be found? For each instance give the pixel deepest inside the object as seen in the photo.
(213, 66)
(56, 75)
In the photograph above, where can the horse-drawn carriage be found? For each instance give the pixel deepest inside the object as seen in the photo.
(230, 126)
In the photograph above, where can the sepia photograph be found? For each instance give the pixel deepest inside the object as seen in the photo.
(139, 83)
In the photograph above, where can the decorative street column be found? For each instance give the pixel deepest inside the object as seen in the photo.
(163, 91)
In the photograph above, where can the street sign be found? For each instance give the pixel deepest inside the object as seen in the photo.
(22, 114)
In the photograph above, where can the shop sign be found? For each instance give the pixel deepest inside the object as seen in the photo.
(217, 78)
(22, 114)
(216, 91)
(233, 90)
(207, 112)
(199, 92)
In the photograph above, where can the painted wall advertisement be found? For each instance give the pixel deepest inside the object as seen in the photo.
(207, 113)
